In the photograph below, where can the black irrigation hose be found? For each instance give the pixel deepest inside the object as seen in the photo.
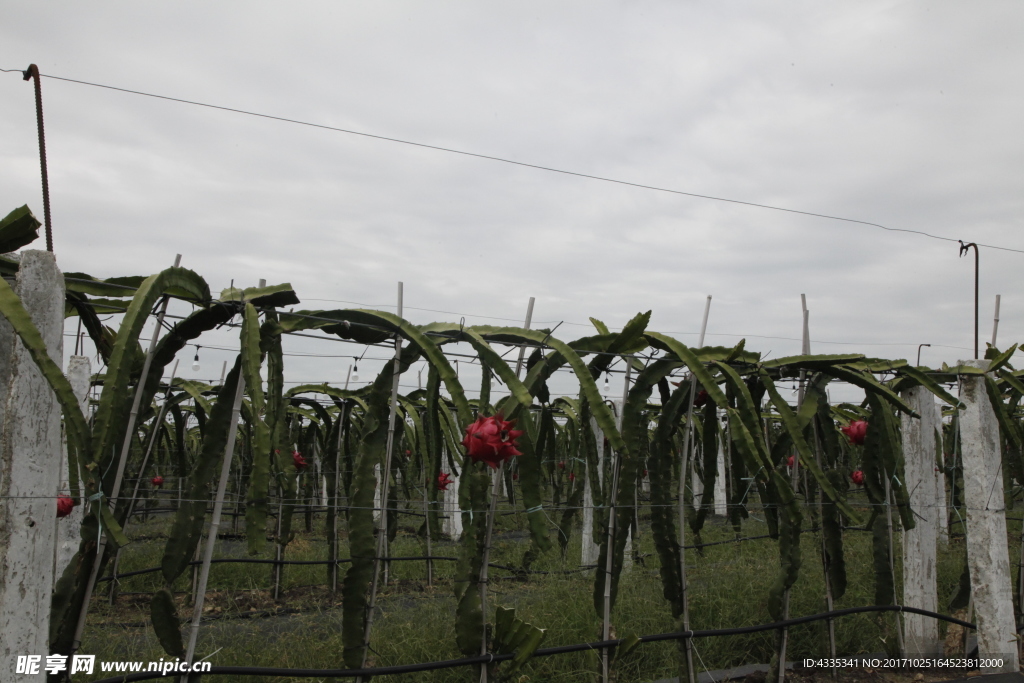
(543, 652)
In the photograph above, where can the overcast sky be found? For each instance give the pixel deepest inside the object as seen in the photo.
(906, 114)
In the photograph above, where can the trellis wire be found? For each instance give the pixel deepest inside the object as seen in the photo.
(542, 652)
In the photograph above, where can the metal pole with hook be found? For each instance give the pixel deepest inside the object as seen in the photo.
(964, 248)
(919, 353)
(32, 73)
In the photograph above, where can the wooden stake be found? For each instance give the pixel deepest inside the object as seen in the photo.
(526, 325)
(388, 457)
(892, 566)
(795, 482)
(495, 491)
(995, 323)
(382, 534)
(142, 472)
(829, 602)
(342, 417)
(426, 517)
(609, 554)
(218, 506)
(116, 489)
(690, 676)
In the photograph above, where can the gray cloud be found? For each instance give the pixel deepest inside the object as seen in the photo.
(906, 114)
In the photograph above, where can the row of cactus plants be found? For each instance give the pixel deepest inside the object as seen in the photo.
(549, 443)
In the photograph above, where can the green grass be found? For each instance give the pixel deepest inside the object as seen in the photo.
(728, 588)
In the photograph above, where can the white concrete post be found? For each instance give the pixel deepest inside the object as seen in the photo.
(987, 554)
(942, 514)
(720, 495)
(79, 374)
(589, 550)
(921, 634)
(377, 506)
(627, 552)
(696, 483)
(450, 510)
(30, 457)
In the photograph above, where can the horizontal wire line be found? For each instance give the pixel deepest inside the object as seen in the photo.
(523, 164)
(300, 502)
(473, 315)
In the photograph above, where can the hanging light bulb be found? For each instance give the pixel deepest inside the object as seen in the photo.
(607, 387)
(355, 372)
(195, 361)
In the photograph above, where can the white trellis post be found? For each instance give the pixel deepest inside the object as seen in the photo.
(79, 374)
(30, 472)
(696, 484)
(987, 553)
(921, 633)
(378, 504)
(451, 525)
(942, 510)
(589, 550)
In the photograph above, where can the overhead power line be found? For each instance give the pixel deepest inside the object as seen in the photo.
(513, 162)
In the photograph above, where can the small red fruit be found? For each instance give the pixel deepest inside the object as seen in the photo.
(64, 505)
(856, 431)
(789, 461)
(561, 465)
(857, 477)
(443, 481)
(299, 462)
(492, 440)
(572, 476)
(157, 481)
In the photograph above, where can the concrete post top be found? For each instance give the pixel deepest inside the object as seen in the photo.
(980, 363)
(30, 257)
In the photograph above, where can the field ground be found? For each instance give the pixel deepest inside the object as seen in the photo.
(729, 583)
